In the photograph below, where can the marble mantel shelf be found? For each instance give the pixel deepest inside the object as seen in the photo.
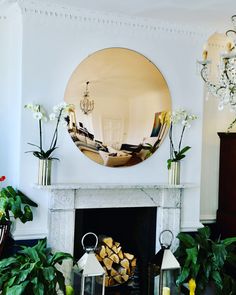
(114, 195)
(77, 186)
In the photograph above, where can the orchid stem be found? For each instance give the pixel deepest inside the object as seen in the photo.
(54, 138)
(171, 142)
(181, 138)
(40, 134)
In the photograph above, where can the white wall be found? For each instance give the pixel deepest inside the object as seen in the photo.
(10, 92)
(54, 43)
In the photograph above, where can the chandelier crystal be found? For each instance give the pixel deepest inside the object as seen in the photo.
(225, 86)
(86, 104)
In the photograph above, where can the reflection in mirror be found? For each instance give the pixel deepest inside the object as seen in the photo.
(122, 103)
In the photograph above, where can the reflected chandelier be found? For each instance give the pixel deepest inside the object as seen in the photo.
(86, 104)
(225, 86)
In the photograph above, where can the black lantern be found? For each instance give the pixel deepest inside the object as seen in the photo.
(89, 276)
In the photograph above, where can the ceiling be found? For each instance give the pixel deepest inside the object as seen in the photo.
(213, 13)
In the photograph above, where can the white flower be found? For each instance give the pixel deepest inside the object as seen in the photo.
(44, 118)
(183, 117)
(52, 116)
(29, 106)
(37, 115)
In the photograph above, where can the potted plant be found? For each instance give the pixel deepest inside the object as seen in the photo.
(177, 152)
(46, 155)
(13, 205)
(204, 261)
(33, 271)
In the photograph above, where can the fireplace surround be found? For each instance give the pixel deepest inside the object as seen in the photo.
(65, 199)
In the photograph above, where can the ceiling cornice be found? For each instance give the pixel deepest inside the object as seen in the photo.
(72, 14)
(131, 23)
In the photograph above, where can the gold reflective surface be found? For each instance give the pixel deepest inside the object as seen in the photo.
(123, 117)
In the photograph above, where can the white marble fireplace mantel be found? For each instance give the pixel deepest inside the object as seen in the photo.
(66, 198)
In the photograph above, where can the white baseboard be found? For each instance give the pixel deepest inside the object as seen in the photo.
(190, 227)
(22, 235)
(208, 218)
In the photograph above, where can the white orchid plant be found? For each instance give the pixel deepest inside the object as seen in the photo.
(184, 118)
(39, 113)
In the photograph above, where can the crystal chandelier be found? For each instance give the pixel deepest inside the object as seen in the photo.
(225, 87)
(86, 104)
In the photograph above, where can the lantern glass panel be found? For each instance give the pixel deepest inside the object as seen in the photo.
(93, 285)
(168, 282)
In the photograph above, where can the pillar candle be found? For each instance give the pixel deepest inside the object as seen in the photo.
(166, 291)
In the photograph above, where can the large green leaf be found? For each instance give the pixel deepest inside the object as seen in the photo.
(11, 281)
(192, 254)
(17, 289)
(16, 206)
(185, 274)
(38, 288)
(217, 279)
(11, 191)
(7, 262)
(207, 269)
(31, 253)
(24, 273)
(195, 270)
(184, 150)
(229, 241)
(59, 257)
(187, 240)
(27, 215)
(4, 278)
(49, 273)
(61, 281)
(26, 200)
(204, 232)
(3, 202)
(220, 254)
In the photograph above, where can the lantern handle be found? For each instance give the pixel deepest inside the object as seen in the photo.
(172, 238)
(96, 243)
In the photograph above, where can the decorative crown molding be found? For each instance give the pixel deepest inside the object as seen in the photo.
(72, 14)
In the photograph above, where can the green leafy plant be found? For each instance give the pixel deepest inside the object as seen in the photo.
(13, 203)
(183, 117)
(33, 271)
(205, 260)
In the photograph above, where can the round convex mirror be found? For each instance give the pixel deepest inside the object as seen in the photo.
(122, 102)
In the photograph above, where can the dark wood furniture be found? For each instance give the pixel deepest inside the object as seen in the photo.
(226, 213)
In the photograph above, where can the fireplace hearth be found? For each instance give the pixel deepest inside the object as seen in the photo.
(133, 228)
(66, 199)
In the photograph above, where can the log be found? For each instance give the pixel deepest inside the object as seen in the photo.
(103, 252)
(125, 278)
(114, 257)
(121, 255)
(125, 263)
(109, 251)
(119, 265)
(134, 262)
(108, 241)
(129, 256)
(108, 263)
(118, 278)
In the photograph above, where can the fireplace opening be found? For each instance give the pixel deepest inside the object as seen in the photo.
(134, 229)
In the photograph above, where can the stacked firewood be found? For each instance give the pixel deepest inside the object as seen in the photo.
(119, 266)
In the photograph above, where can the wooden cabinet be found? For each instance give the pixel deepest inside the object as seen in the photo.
(226, 213)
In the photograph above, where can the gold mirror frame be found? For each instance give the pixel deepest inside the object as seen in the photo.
(122, 102)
